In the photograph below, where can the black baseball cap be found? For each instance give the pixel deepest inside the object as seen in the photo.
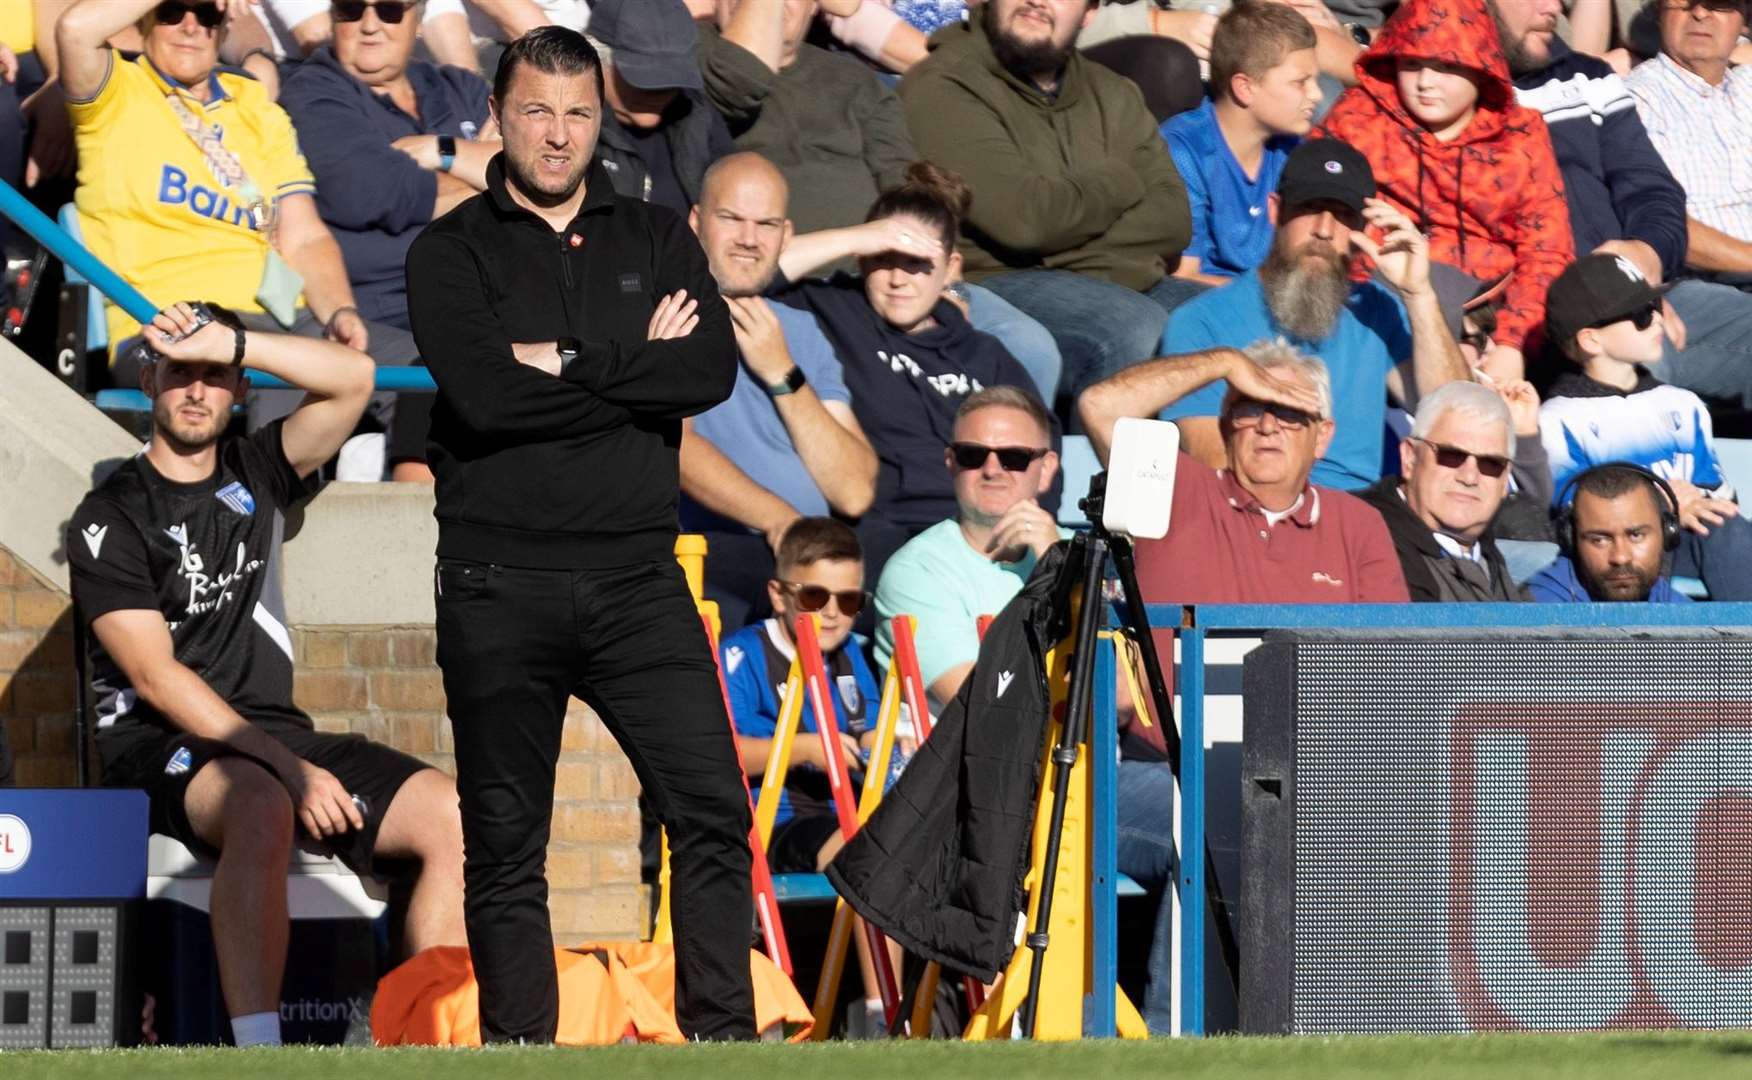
(1326, 169)
(653, 43)
(1595, 290)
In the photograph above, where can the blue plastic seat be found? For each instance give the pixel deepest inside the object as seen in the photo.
(96, 316)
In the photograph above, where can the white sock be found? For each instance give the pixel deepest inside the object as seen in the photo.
(875, 1019)
(256, 1029)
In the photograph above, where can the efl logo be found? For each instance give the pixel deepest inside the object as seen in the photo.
(14, 843)
(1601, 864)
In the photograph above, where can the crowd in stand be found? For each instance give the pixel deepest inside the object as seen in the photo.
(1428, 286)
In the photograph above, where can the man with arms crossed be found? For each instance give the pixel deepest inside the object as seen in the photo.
(570, 331)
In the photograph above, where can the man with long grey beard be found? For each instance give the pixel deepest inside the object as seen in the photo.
(1388, 328)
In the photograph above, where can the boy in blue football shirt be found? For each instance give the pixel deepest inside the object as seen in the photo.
(820, 571)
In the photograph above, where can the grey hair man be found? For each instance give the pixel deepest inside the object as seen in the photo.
(1455, 466)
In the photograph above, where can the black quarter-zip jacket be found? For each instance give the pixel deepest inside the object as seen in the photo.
(579, 471)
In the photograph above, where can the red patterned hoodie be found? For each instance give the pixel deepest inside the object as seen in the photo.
(1491, 199)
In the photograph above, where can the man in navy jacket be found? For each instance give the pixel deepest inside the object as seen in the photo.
(393, 144)
(1622, 198)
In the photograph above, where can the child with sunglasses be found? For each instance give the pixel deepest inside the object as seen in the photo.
(1606, 318)
(820, 571)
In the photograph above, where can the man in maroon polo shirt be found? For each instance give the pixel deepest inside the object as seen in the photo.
(1258, 531)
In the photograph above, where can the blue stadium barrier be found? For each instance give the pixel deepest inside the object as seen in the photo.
(82, 265)
(1194, 624)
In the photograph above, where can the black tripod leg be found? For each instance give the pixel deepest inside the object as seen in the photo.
(1162, 706)
(1064, 756)
(1135, 621)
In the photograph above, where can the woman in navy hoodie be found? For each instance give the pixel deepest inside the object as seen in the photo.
(909, 354)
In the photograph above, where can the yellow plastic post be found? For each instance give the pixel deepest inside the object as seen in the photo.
(690, 552)
(839, 937)
(661, 931)
(772, 780)
(1059, 1015)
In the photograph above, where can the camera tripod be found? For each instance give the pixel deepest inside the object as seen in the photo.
(1078, 589)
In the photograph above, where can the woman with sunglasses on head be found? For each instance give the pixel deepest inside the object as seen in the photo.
(909, 354)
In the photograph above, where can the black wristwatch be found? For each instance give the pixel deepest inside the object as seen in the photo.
(790, 384)
(1359, 34)
(446, 152)
(568, 348)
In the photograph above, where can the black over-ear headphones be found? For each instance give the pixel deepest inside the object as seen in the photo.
(1565, 525)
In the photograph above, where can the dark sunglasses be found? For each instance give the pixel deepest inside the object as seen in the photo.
(1452, 457)
(1248, 412)
(171, 12)
(815, 597)
(1720, 7)
(390, 11)
(1013, 458)
(1640, 318)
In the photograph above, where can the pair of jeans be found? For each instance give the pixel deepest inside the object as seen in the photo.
(1146, 855)
(514, 644)
(1717, 359)
(1101, 328)
(1027, 340)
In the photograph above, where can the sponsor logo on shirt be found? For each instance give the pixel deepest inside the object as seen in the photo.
(180, 762)
(733, 658)
(174, 189)
(1321, 577)
(94, 538)
(1004, 680)
(236, 496)
(207, 592)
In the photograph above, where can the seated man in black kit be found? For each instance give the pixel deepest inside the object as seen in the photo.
(175, 562)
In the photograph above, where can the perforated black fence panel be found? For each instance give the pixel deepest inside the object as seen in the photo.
(1526, 829)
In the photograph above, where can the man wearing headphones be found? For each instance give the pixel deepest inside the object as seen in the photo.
(1615, 532)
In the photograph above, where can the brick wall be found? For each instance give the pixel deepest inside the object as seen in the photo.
(380, 681)
(36, 675)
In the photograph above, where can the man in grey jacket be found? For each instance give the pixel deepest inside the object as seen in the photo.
(1455, 466)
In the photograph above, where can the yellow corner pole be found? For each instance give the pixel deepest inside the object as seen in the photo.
(690, 552)
(839, 780)
(778, 766)
(1059, 1014)
(839, 938)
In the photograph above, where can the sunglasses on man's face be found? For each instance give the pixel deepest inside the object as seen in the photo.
(1248, 412)
(1013, 458)
(1452, 457)
(171, 12)
(1640, 318)
(815, 597)
(1718, 7)
(390, 11)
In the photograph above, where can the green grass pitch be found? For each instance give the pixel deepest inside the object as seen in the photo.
(1656, 1056)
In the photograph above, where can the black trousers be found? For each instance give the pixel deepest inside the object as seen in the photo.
(514, 644)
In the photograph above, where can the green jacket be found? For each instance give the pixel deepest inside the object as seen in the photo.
(835, 132)
(1080, 182)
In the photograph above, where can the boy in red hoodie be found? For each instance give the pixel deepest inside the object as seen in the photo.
(1435, 114)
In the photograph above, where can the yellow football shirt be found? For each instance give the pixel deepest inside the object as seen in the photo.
(18, 25)
(150, 206)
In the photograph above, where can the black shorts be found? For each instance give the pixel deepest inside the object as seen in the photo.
(797, 842)
(155, 760)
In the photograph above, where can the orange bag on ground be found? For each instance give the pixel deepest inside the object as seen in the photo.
(611, 992)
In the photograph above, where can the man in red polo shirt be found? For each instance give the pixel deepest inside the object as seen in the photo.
(1258, 531)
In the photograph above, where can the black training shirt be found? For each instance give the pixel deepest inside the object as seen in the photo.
(204, 555)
